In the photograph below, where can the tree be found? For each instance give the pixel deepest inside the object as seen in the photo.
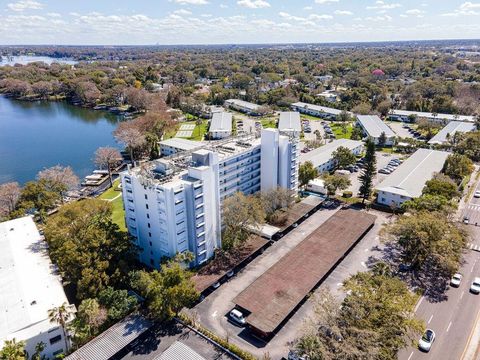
(382, 140)
(369, 170)
(469, 145)
(13, 350)
(41, 196)
(61, 178)
(91, 316)
(39, 348)
(117, 302)
(344, 116)
(240, 214)
(430, 202)
(357, 133)
(343, 157)
(127, 134)
(441, 185)
(430, 242)
(61, 315)
(457, 166)
(9, 196)
(307, 172)
(167, 291)
(89, 249)
(107, 158)
(335, 182)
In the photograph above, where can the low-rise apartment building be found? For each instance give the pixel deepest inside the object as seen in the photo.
(174, 205)
(244, 106)
(408, 180)
(373, 127)
(30, 286)
(289, 123)
(220, 126)
(316, 110)
(322, 157)
(449, 131)
(406, 116)
(175, 145)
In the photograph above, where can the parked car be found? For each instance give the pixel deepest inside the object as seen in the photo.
(237, 317)
(466, 221)
(475, 287)
(216, 285)
(230, 273)
(425, 343)
(456, 280)
(384, 171)
(477, 194)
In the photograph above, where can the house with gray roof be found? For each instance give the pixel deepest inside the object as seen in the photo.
(220, 126)
(450, 129)
(373, 127)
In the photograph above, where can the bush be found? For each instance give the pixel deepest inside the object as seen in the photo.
(347, 194)
(278, 218)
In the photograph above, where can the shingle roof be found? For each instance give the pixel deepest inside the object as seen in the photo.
(289, 121)
(114, 339)
(374, 126)
(221, 121)
(451, 128)
(323, 154)
(410, 177)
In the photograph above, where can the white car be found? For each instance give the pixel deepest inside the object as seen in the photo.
(477, 194)
(237, 317)
(456, 280)
(475, 287)
(425, 343)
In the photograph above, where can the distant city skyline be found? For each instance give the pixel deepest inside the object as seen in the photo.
(170, 22)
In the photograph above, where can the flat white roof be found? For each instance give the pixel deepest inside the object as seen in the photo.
(182, 144)
(374, 126)
(410, 177)
(318, 108)
(323, 154)
(449, 117)
(244, 104)
(289, 121)
(451, 128)
(29, 285)
(221, 121)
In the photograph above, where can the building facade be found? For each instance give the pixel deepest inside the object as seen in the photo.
(174, 205)
(373, 127)
(220, 126)
(322, 112)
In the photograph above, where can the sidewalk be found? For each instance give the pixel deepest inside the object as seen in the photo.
(466, 199)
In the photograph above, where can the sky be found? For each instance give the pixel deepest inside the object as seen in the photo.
(170, 22)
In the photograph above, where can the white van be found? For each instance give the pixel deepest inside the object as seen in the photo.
(237, 317)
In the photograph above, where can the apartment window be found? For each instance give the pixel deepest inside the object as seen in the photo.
(383, 199)
(151, 252)
(130, 200)
(149, 234)
(148, 224)
(181, 232)
(129, 191)
(150, 243)
(146, 197)
(55, 339)
(146, 205)
(180, 223)
(148, 216)
(58, 352)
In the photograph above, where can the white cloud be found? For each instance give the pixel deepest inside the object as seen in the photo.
(191, 2)
(308, 8)
(254, 4)
(343, 12)
(25, 5)
(465, 9)
(382, 5)
(326, 1)
(53, 14)
(381, 18)
(182, 12)
(413, 13)
(223, 6)
(320, 17)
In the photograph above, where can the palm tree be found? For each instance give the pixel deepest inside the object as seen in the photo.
(60, 315)
(13, 350)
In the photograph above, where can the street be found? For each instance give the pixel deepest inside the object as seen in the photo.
(454, 319)
(472, 209)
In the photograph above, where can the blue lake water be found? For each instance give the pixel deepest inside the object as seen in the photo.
(36, 135)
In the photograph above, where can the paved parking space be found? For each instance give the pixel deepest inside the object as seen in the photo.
(398, 128)
(212, 312)
(382, 160)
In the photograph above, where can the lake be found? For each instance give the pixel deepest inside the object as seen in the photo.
(41, 134)
(26, 59)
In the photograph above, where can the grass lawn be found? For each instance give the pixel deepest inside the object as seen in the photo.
(118, 213)
(269, 123)
(338, 130)
(200, 130)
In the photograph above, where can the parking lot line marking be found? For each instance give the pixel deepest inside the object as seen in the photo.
(363, 264)
(448, 327)
(410, 356)
(214, 314)
(429, 320)
(461, 295)
(339, 284)
(366, 250)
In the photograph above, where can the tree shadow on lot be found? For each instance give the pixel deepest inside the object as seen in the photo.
(246, 335)
(431, 280)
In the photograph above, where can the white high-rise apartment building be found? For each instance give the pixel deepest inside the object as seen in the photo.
(173, 205)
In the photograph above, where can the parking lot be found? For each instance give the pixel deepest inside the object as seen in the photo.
(212, 312)
(382, 160)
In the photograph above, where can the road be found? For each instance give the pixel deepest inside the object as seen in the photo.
(452, 320)
(472, 209)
